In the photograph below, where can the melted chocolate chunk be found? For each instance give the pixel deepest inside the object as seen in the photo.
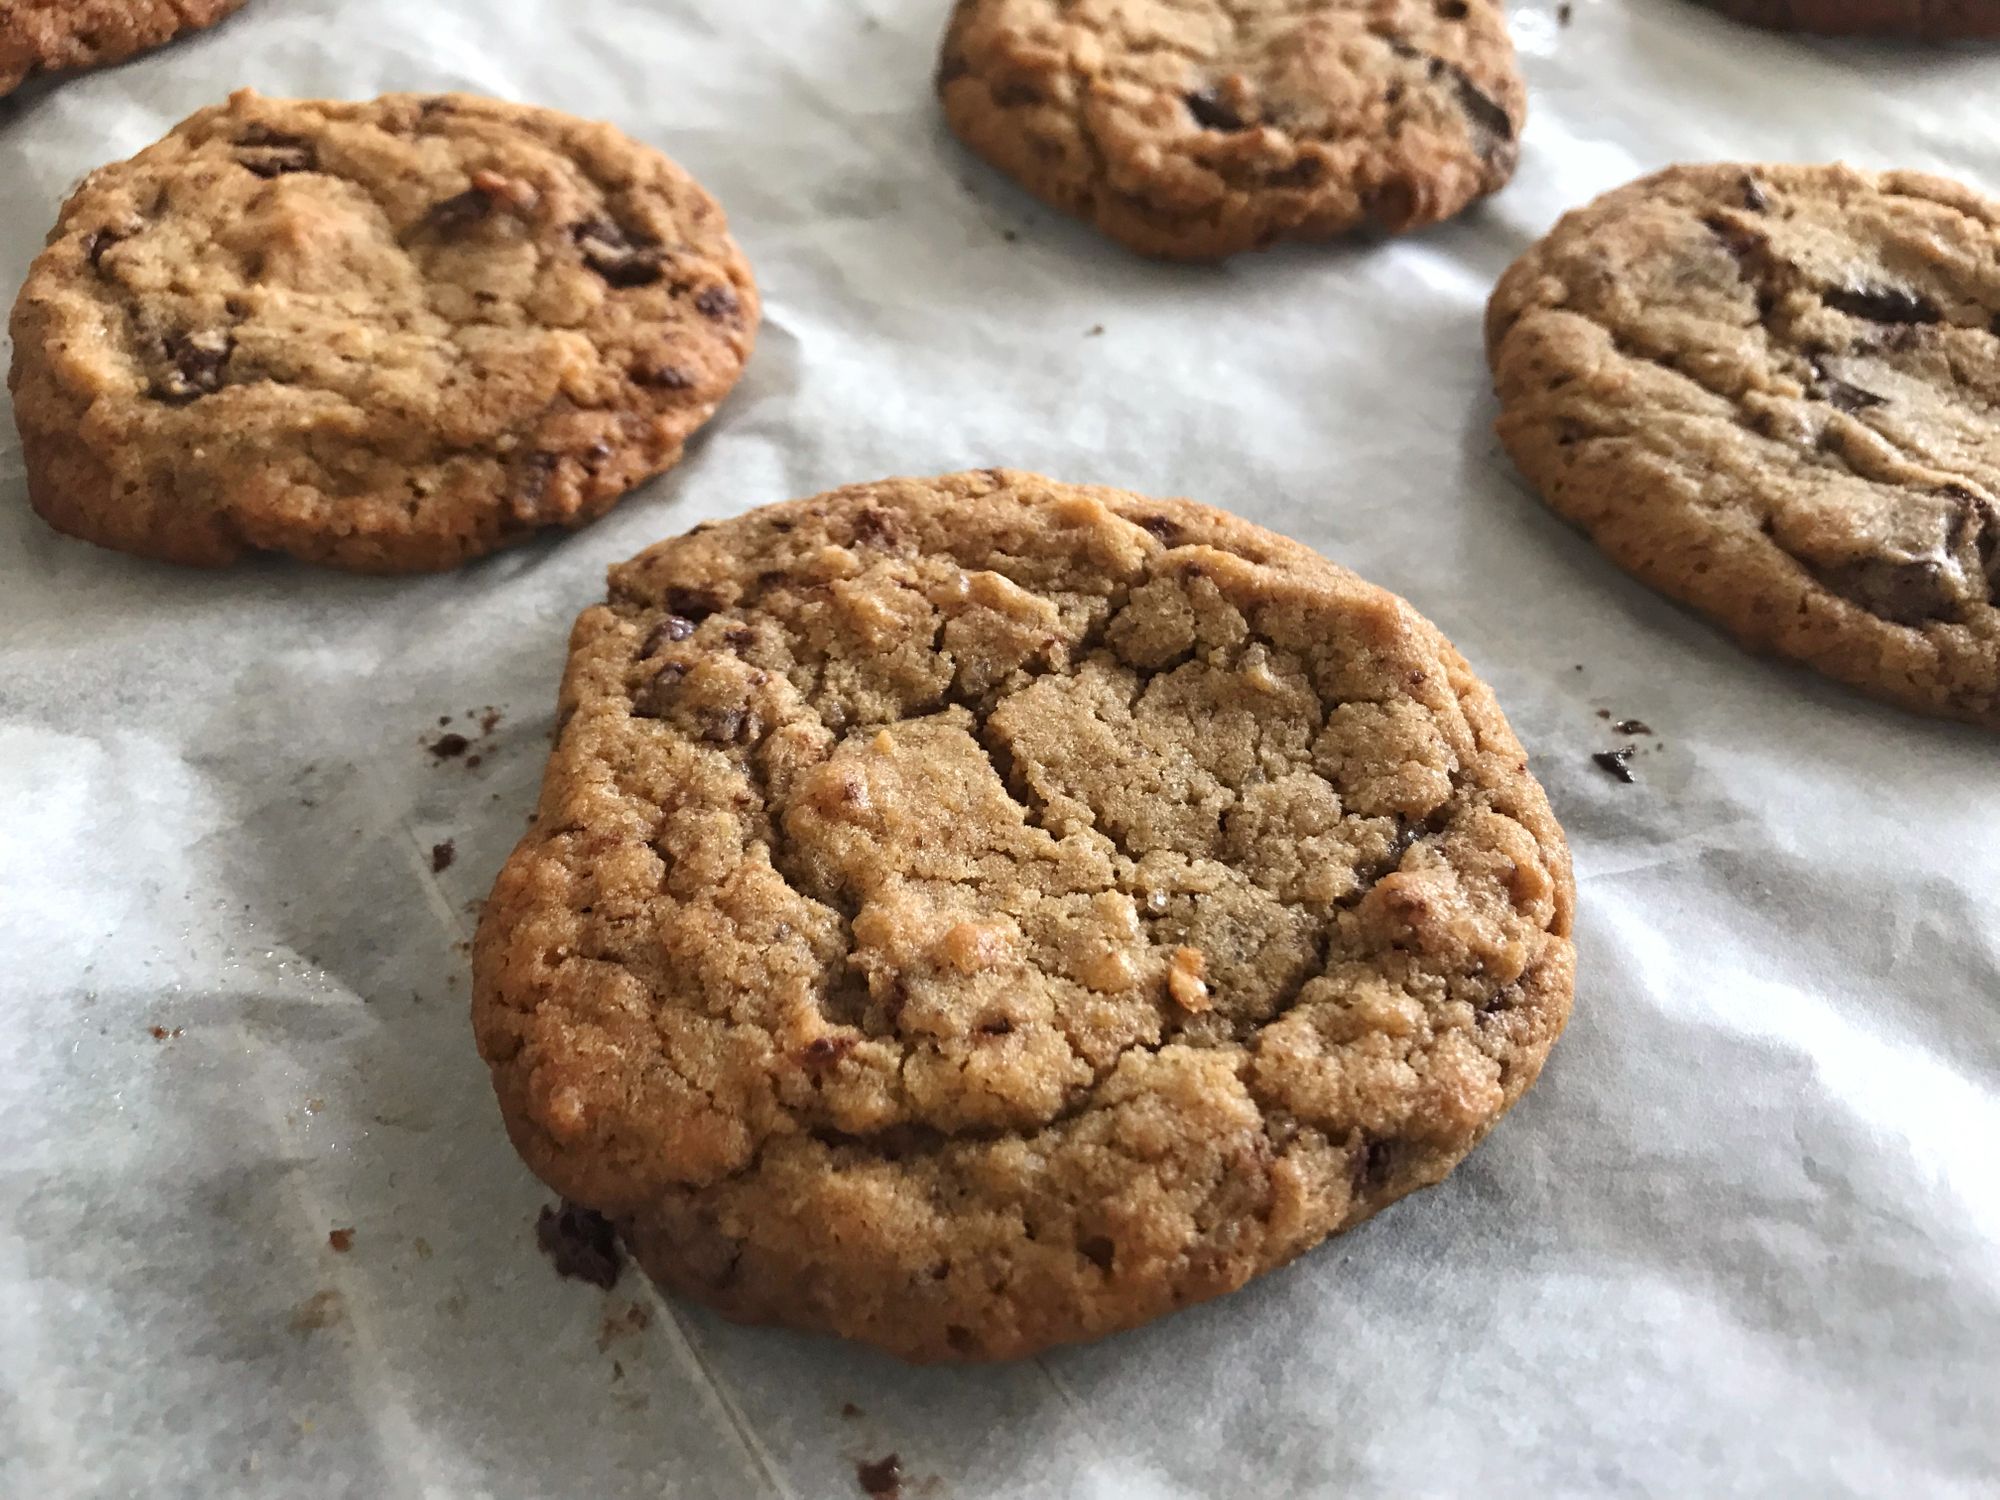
(624, 260)
(196, 363)
(272, 153)
(1211, 111)
(662, 377)
(1481, 108)
(672, 628)
(581, 1244)
(877, 528)
(717, 302)
(692, 604)
(97, 243)
(461, 210)
(1166, 530)
(1616, 763)
(1451, 10)
(1882, 304)
(1903, 591)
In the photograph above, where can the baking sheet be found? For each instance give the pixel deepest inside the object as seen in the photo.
(1744, 1238)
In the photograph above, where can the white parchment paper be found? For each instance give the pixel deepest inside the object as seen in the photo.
(1743, 1239)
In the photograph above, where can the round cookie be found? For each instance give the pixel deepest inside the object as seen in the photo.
(975, 913)
(1933, 20)
(1202, 128)
(50, 36)
(389, 336)
(1770, 392)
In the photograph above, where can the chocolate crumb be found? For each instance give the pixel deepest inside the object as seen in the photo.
(340, 1241)
(442, 855)
(717, 302)
(162, 1034)
(1096, 330)
(1632, 726)
(472, 762)
(1617, 763)
(1565, 13)
(881, 1478)
(489, 719)
(1211, 111)
(850, 1411)
(1604, 713)
(581, 1244)
(450, 746)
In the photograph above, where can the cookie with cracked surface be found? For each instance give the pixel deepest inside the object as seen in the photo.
(976, 913)
(1202, 128)
(59, 36)
(1770, 392)
(389, 336)
(1931, 20)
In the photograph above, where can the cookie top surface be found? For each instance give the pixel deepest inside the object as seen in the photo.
(47, 36)
(1933, 20)
(387, 335)
(969, 914)
(1770, 392)
(1200, 128)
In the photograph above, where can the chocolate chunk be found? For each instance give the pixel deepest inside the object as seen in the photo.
(623, 259)
(653, 700)
(672, 628)
(1903, 591)
(1738, 239)
(449, 215)
(881, 1478)
(271, 153)
(824, 1052)
(1211, 111)
(692, 604)
(531, 484)
(442, 855)
(340, 1241)
(1482, 109)
(1882, 304)
(581, 1243)
(1451, 10)
(730, 726)
(662, 377)
(1617, 763)
(1303, 172)
(96, 243)
(1166, 530)
(1374, 1164)
(196, 362)
(719, 303)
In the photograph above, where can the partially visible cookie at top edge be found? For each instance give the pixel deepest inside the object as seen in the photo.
(1198, 131)
(388, 335)
(1926, 20)
(57, 36)
(976, 913)
(1770, 392)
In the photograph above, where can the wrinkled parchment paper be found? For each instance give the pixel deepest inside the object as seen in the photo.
(1743, 1239)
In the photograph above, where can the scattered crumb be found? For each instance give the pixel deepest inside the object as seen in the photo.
(881, 1478)
(422, 1246)
(850, 1411)
(581, 1243)
(163, 1034)
(617, 1370)
(1010, 235)
(1633, 726)
(444, 721)
(1565, 13)
(489, 719)
(340, 1241)
(455, 1305)
(472, 762)
(1579, 666)
(1604, 713)
(624, 1323)
(314, 1106)
(321, 1310)
(1095, 330)
(449, 746)
(442, 855)
(1617, 763)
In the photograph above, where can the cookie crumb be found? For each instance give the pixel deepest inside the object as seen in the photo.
(163, 1034)
(622, 1323)
(1565, 13)
(1633, 726)
(1617, 763)
(442, 854)
(882, 1478)
(322, 1309)
(581, 1244)
(1096, 330)
(450, 746)
(1184, 981)
(340, 1241)
(489, 719)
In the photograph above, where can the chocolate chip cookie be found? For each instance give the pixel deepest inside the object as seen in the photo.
(50, 36)
(1771, 393)
(1200, 128)
(388, 336)
(970, 914)
(1933, 20)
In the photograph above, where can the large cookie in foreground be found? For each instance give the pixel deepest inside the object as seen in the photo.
(970, 914)
(1932, 20)
(390, 335)
(1201, 128)
(1771, 393)
(53, 36)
